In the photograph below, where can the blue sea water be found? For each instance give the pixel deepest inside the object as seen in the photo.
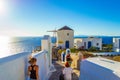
(27, 44)
(18, 45)
(30, 43)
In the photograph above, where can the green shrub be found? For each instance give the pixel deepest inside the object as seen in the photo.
(86, 55)
(60, 51)
(92, 49)
(74, 50)
(107, 47)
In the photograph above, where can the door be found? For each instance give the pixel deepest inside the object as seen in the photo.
(67, 44)
(119, 43)
(89, 44)
(84, 45)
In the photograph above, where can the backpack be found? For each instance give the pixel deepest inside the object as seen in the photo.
(61, 77)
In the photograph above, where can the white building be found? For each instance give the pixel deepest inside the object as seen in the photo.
(116, 44)
(99, 68)
(86, 43)
(65, 37)
(46, 45)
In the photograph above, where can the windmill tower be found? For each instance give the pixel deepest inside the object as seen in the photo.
(65, 37)
(54, 35)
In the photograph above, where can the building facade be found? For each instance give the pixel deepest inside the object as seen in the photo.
(46, 45)
(86, 43)
(116, 44)
(65, 37)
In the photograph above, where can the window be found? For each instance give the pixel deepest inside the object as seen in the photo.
(97, 44)
(85, 45)
(67, 34)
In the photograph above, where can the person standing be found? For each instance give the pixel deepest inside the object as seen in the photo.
(80, 57)
(33, 69)
(67, 72)
(68, 58)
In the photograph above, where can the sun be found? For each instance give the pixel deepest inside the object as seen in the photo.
(3, 7)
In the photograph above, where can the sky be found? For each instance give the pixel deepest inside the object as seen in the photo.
(36, 17)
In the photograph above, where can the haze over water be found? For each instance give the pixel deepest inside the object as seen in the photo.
(15, 45)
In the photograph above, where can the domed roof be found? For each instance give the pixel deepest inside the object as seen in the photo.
(65, 28)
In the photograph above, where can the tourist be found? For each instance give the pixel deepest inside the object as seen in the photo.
(68, 58)
(33, 69)
(67, 72)
(80, 57)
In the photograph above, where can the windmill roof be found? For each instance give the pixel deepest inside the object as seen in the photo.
(65, 28)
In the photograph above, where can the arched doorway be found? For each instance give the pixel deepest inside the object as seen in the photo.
(67, 44)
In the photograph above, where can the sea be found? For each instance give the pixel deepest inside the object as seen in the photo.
(15, 45)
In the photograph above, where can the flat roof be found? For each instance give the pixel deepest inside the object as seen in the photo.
(106, 63)
(107, 53)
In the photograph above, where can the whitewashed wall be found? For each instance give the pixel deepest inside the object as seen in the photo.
(42, 62)
(79, 42)
(62, 36)
(46, 45)
(116, 44)
(95, 41)
(14, 67)
(99, 69)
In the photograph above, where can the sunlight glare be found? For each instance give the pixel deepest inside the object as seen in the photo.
(3, 7)
(4, 46)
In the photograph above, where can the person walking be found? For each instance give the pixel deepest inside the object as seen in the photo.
(68, 58)
(33, 69)
(67, 72)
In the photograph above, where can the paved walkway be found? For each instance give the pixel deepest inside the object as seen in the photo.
(59, 66)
